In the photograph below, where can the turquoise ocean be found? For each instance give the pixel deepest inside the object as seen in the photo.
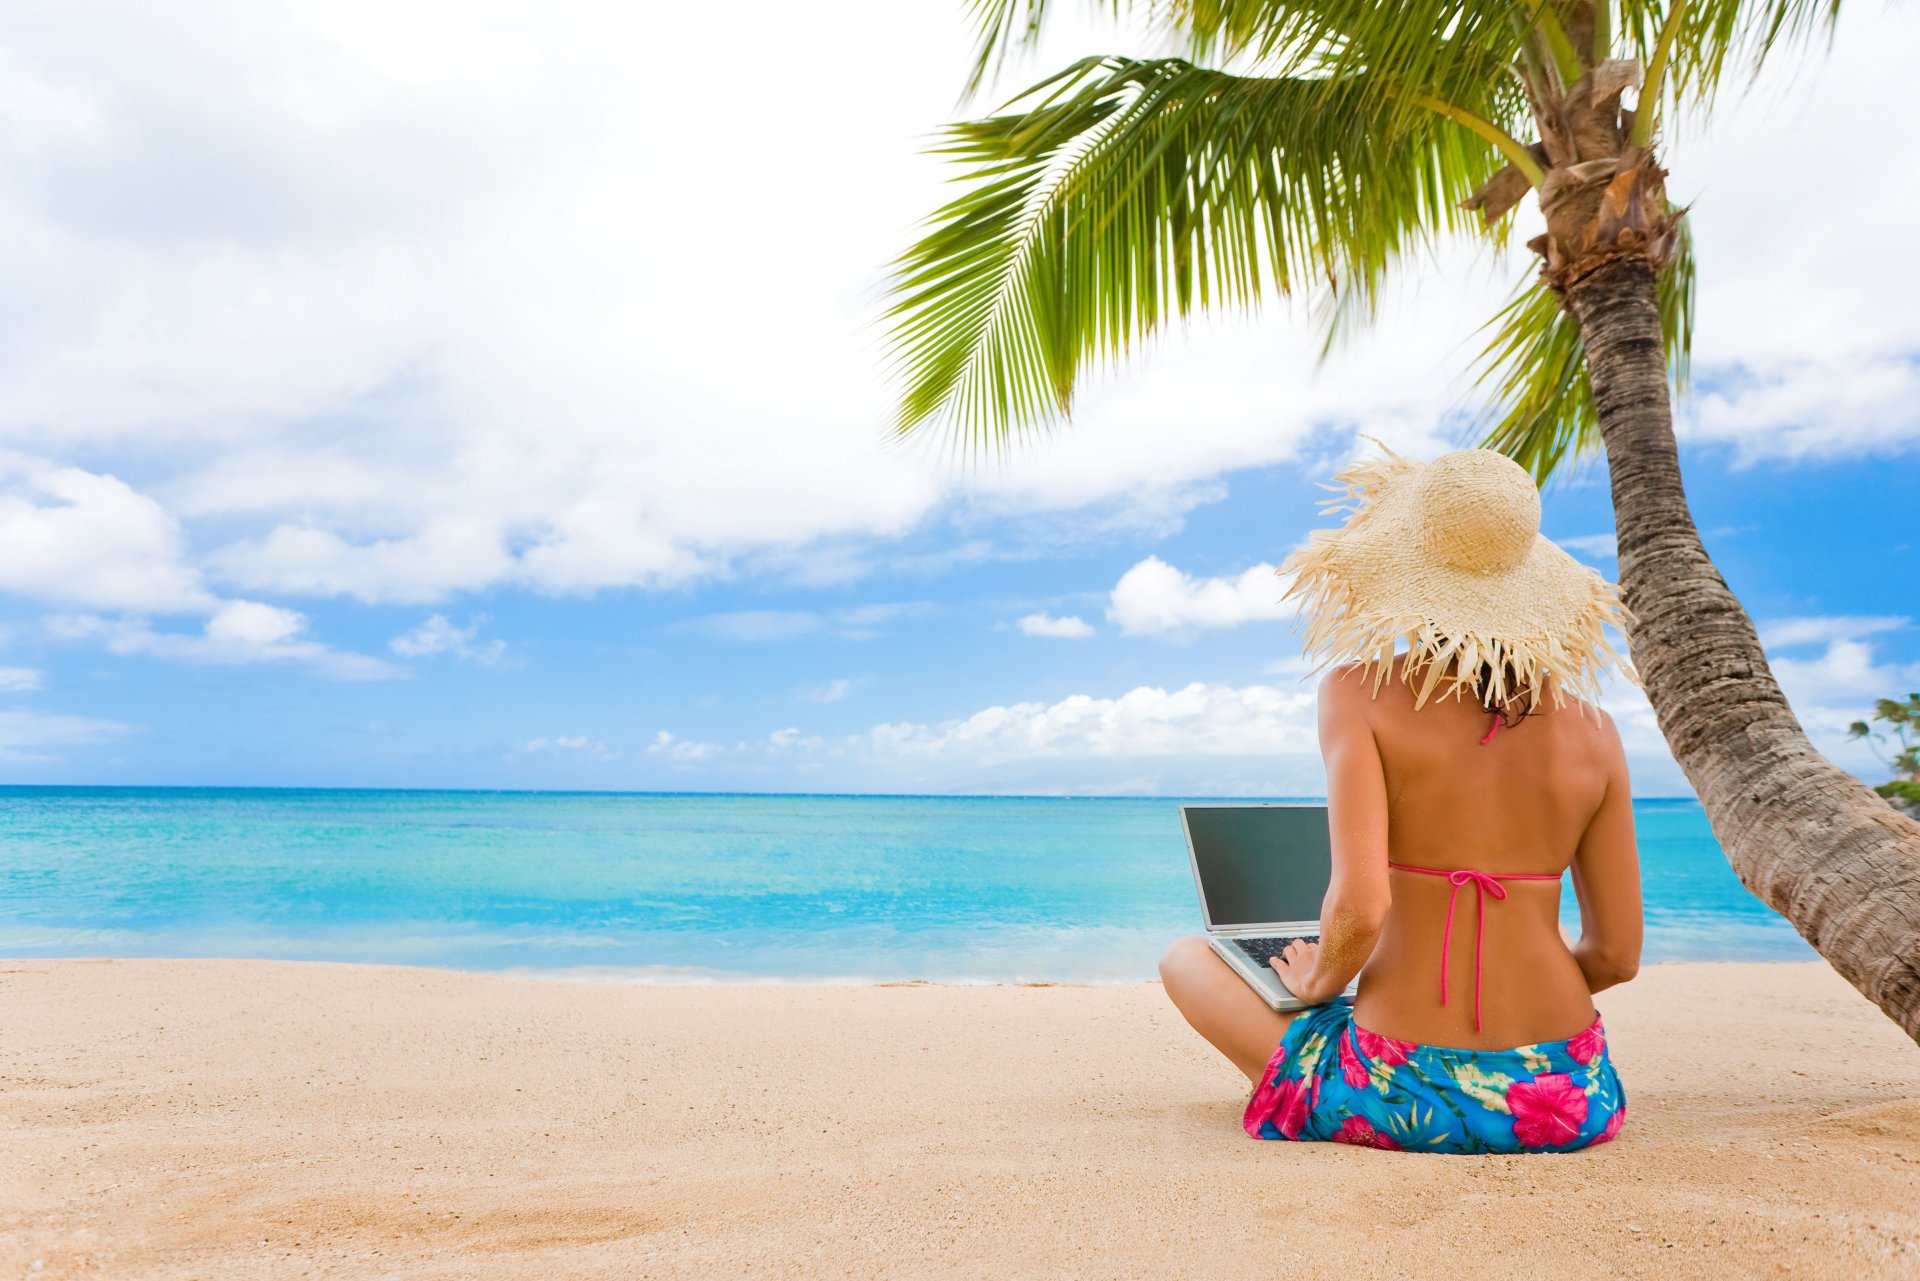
(683, 887)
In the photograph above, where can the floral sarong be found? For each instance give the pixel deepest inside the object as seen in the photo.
(1331, 1079)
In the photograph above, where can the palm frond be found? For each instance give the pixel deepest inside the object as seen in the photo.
(1134, 191)
(1535, 367)
(1451, 49)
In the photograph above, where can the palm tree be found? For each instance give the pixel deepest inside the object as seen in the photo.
(1284, 146)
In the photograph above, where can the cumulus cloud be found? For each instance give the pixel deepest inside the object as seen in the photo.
(1845, 668)
(563, 744)
(237, 632)
(1198, 719)
(1783, 633)
(1816, 409)
(1070, 627)
(438, 635)
(81, 538)
(1592, 546)
(445, 555)
(791, 739)
(682, 750)
(1154, 597)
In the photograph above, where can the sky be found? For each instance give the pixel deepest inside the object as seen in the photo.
(493, 395)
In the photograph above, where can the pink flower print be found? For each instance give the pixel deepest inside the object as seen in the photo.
(1613, 1127)
(1359, 1131)
(1389, 1051)
(1290, 1107)
(1350, 1065)
(1547, 1110)
(1586, 1047)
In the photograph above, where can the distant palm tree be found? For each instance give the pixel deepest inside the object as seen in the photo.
(1121, 192)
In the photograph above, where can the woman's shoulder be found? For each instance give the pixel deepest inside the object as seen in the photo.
(1584, 717)
(1356, 688)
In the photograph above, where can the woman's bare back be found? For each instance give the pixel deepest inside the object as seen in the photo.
(1527, 802)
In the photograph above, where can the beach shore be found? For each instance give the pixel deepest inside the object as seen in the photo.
(164, 1119)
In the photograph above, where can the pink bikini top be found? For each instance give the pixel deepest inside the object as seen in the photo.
(1484, 883)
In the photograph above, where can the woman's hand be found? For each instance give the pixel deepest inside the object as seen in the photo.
(1298, 966)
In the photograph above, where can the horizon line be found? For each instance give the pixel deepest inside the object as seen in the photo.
(595, 791)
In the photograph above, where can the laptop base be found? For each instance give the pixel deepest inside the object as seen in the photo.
(1260, 976)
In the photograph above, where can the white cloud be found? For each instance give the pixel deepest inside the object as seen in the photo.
(1592, 546)
(1841, 378)
(445, 555)
(1201, 740)
(1199, 719)
(791, 739)
(438, 635)
(563, 744)
(1782, 633)
(237, 632)
(80, 538)
(1155, 597)
(682, 750)
(1846, 668)
(1811, 408)
(250, 625)
(834, 691)
(1838, 687)
(29, 736)
(19, 680)
(1071, 627)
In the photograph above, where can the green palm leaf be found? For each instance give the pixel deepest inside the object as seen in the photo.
(1127, 192)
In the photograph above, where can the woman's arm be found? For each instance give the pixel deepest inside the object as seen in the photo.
(1606, 880)
(1358, 896)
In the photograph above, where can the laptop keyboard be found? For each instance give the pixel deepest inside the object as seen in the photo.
(1259, 950)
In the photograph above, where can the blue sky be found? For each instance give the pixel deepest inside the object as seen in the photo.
(431, 401)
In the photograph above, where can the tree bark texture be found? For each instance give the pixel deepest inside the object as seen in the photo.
(1810, 839)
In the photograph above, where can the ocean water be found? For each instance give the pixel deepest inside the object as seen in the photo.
(682, 887)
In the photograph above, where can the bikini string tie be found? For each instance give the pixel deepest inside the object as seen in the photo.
(1483, 885)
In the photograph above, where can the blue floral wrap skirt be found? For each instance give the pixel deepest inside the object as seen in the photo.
(1331, 1079)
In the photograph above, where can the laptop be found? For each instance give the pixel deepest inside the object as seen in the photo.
(1262, 871)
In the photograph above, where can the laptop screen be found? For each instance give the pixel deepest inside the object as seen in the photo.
(1259, 863)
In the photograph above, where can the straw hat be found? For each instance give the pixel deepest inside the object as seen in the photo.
(1447, 557)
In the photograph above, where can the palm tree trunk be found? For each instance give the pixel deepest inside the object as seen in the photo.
(1807, 837)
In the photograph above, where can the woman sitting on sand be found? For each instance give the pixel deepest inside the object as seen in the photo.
(1464, 776)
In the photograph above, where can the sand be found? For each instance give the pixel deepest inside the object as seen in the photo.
(219, 1119)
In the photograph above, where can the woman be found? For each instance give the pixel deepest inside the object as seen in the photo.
(1464, 776)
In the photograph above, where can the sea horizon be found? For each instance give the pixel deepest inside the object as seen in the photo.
(1178, 798)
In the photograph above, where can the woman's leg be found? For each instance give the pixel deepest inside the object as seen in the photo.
(1220, 1006)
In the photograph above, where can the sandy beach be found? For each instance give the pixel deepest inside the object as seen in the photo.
(225, 1119)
